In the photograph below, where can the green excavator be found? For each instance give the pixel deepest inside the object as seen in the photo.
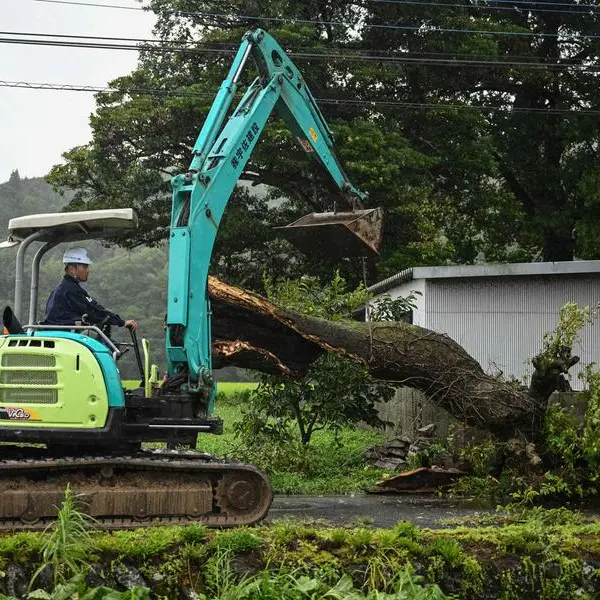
(65, 417)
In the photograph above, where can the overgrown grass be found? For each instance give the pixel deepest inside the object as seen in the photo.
(66, 540)
(229, 388)
(546, 556)
(334, 465)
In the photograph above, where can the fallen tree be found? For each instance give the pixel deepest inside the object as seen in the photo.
(251, 332)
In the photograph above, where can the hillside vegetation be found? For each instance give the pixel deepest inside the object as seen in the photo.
(132, 283)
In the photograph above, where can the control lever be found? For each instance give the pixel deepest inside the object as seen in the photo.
(138, 356)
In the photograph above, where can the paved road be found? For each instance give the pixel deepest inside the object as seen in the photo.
(374, 510)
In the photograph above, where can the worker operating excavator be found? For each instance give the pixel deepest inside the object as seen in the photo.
(69, 303)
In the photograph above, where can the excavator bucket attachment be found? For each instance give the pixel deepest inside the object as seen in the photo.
(337, 234)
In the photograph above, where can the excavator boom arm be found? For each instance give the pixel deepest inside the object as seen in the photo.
(201, 195)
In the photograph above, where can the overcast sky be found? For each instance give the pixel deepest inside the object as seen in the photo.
(37, 126)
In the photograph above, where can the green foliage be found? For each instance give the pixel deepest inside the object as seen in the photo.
(573, 450)
(481, 487)
(405, 585)
(22, 546)
(455, 183)
(332, 301)
(234, 542)
(65, 549)
(571, 320)
(426, 457)
(336, 392)
(569, 448)
(230, 389)
(76, 589)
(148, 543)
(219, 576)
(406, 529)
(479, 457)
(541, 553)
(67, 541)
(333, 462)
(591, 432)
(450, 550)
(539, 515)
(385, 309)
(193, 534)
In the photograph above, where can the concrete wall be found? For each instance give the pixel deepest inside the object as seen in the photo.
(409, 410)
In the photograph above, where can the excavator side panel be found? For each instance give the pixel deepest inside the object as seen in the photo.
(51, 382)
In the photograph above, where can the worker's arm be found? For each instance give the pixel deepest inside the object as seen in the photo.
(82, 304)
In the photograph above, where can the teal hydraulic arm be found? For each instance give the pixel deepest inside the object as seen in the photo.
(201, 195)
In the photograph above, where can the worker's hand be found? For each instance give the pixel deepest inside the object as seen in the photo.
(131, 324)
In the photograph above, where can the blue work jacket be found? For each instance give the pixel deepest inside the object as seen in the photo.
(69, 302)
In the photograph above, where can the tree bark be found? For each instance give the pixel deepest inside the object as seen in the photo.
(251, 332)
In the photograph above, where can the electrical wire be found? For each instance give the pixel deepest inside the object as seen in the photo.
(303, 52)
(156, 46)
(515, 5)
(329, 101)
(525, 2)
(524, 8)
(428, 29)
(94, 4)
(511, 2)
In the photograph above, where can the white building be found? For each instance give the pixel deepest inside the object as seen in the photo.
(499, 313)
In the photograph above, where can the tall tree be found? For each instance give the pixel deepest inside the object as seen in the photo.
(469, 124)
(515, 173)
(140, 139)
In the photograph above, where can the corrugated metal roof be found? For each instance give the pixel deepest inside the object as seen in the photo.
(390, 282)
(488, 270)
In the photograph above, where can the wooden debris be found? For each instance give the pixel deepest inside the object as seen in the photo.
(422, 480)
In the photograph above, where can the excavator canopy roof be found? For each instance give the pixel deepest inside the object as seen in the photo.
(52, 229)
(71, 226)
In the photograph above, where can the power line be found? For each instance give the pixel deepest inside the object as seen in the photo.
(514, 5)
(329, 101)
(511, 2)
(94, 4)
(526, 2)
(231, 47)
(103, 46)
(155, 46)
(428, 29)
(513, 8)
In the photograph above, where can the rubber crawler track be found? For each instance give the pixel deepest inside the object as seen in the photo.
(144, 489)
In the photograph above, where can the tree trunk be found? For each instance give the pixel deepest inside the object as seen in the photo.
(251, 332)
(559, 245)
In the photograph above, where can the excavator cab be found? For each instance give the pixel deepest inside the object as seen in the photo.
(52, 229)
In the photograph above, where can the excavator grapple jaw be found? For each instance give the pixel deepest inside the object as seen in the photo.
(337, 234)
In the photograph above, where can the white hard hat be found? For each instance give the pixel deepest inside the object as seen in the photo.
(78, 256)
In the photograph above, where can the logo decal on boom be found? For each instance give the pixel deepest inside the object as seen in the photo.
(305, 144)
